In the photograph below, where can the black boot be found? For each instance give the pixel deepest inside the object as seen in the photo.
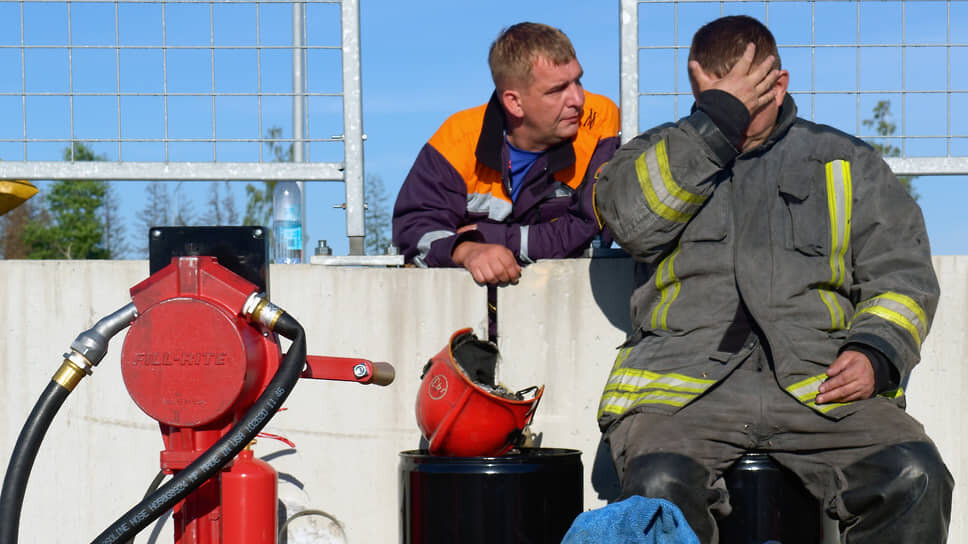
(681, 481)
(900, 494)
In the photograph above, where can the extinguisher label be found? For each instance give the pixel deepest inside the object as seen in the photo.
(437, 387)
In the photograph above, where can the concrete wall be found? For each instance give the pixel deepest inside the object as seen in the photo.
(560, 326)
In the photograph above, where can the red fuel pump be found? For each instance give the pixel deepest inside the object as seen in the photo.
(192, 362)
(202, 358)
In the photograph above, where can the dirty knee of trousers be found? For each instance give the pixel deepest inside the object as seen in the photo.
(903, 490)
(680, 480)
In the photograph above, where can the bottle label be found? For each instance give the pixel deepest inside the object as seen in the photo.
(292, 237)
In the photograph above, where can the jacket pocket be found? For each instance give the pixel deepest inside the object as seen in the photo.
(806, 218)
(814, 345)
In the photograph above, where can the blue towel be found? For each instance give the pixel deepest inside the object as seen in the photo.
(636, 520)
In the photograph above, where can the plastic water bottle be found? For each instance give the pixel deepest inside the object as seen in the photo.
(287, 244)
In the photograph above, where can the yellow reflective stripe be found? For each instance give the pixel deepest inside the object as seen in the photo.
(662, 157)
(839, 206)
(900, 310)
(824, 408)
(618, 404)
(839, 202)
(623, 354)
(893, 394)
(665, 198)
(637, 377)
(671, 378)
(598, 216)
(836, 312)
(895, 318)
(913, 307)
(806, 391)
(630, 387)
(668, 285)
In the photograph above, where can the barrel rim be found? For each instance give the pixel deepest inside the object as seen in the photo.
(520, 456)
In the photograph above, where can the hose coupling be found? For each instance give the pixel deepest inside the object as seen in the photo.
(258, 309)
(92, 344)
(74, 368)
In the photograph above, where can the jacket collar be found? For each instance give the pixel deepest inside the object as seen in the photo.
(784, 120)
(490, 146)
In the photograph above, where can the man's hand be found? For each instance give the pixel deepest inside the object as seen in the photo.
(488, 263)
(753, 86)
(851, 377)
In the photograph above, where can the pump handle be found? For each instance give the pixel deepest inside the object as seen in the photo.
(383, 374)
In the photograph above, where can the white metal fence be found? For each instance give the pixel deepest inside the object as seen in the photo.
(188, 89)
(183, 90)
(844, 58)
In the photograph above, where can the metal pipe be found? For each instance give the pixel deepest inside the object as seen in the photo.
(92, 344)
(171, 171)
(629, 82)
(298, 105)
(353, 126)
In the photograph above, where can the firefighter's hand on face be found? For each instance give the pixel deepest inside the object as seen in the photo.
(754, 86)
(850, 377)
(488, 263)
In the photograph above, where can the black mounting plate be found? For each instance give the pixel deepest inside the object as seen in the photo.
(243, 250)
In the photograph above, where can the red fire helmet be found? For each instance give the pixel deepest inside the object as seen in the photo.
(458, 416)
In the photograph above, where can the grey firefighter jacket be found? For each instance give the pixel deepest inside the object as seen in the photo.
(810, 230)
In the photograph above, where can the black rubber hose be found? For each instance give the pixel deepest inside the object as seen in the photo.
(22, 459)
(225, 449)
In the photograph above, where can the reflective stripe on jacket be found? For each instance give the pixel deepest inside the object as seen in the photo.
(461, 178)
(810, 230)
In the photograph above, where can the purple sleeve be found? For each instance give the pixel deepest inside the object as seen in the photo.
(564, 236)
(429, 209)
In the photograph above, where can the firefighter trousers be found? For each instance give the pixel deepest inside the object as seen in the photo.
(875, 471)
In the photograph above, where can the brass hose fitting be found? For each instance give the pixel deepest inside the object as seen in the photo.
(258, 309)
(74, 368)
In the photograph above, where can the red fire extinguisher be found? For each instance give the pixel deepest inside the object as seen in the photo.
(249, 500)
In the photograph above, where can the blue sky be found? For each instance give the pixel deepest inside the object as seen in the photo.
(411, 87)
(424, 60)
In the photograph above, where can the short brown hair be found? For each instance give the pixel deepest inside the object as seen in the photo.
(719, 44)
(518, 46)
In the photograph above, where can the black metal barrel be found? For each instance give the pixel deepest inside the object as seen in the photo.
(526, 497)
(769, 505)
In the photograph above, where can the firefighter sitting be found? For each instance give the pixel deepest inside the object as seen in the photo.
(791, 289)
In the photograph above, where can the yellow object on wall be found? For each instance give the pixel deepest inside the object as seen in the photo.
(14, 192)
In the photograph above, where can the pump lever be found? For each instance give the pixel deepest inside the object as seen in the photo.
(348, 369)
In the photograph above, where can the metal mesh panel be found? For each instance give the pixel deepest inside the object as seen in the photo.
(176, 89)
(844, 57)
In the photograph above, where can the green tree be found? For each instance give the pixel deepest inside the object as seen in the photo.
(164, 206)
(883, 125)
(72, 222)
(221, 205)
(377, 216)
(12, 225)
(115, 231)
(258, 200)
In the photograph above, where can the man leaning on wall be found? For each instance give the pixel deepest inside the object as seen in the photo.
(509, 182)
(791, 288)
